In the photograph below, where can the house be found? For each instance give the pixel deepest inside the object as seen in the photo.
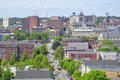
(110, 67)
(81, 55)
(79, 50)
(107, 55)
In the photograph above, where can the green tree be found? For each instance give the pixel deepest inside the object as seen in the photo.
(33, 55)
(13, 59)
(107, 42)
(95, 75)
(4, 62)
(20, 65)
(37, 51)
(57, 38)
(84, 38)
(24, 57)
(55, 45)
(44, 62)
(59, 53)
(5, 38)
(44, 37)
(7, 75)
(37, 61)
(76, 75)
(43, 49)
(1, 71)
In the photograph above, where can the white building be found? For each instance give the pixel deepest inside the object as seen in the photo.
(5, 22)
(107, 55)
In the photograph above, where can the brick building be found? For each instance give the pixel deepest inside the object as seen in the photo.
(53, 23)
(17, 47)
(30, 22)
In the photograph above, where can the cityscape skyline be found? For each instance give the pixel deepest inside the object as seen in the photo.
(47, 8)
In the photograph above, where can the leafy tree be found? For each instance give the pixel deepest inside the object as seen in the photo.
(51, 70)
(5, 38)
(59, 53)
(20, 65)
(57, 38)
(33, 55)
(69, 65)
(44, 37)
(24, 57)
(76, 75)
(45, 62)
(84, 39)
(95, 75)
(21, 37)
(1, 71)
(37, 61)
(107, 42)
(55, 45)
(4, 62)
(7, 75)
(43, 49)
(37, 51)
(13, 59)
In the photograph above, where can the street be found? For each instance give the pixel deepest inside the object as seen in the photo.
(58, 74)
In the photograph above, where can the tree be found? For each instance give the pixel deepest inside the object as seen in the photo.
(13, 59)
(107, 42)
(24, 57)
(37, 51)
(4, 62)
(57, 38)
(43, 49)
(95, 75)
(33, 55)
(20, 65)
(1, 71)
(44, 62)
(44, 37)
(59, 53)
(7, 75)
(76, 75)
(84, 39)
(55, 45)
(5, 38)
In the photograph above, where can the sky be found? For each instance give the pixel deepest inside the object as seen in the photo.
(47, 8)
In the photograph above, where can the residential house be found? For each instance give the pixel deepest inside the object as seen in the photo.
(79, 51)
(110, 67)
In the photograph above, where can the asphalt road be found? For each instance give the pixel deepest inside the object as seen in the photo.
(57, 74)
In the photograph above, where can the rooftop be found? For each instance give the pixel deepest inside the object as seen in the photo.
(106, 65)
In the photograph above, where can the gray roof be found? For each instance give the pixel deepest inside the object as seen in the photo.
(108, 65)
(35, 79)
(111, 35)
(42, 73)
(116, 79)
(13, 43)
(71, 39)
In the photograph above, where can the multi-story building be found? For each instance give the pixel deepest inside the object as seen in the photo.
(5, 22)
(53, 23)
(34, 21)
(7, 48)
(30, 22)
(79, 51)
